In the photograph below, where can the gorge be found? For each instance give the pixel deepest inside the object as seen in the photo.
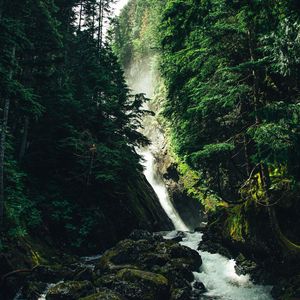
(149, 150)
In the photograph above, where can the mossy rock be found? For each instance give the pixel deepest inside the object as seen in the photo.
(186, 255)
(106, 280)
(51, 274)
(144, 255)
(105, 295)
(136, 284)
(125, 252)
(33, 288)
(143, 276)
(180, 294)
(178, 274)
(70, 290)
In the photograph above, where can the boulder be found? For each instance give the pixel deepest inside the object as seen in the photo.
(214, 247)
(105, 295)
(178, 274)
(137, 235)
(180, 294)
(178, 237)
(137, 284)
(244, 266)
(33, 289)
(83, 274)
(70, 290)
(129, 262)
(145, 255)
(50, 274)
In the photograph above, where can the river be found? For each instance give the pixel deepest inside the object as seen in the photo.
(217, 272)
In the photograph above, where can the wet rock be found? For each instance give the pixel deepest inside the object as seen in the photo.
(213, 247)
(178, 237)
(83, 274)
(33, 290)
(201, 227)
(187, 256)
(137, 235)
(132, 261)
(50, 274)
(177, 273)
(152, 259)
(144, 255)
(126, 252)
(180, 294)
(142, 285)
(136, 284)
(10, 287)
(244, 266)
(105, 295)
(199, 287)
(70, 290)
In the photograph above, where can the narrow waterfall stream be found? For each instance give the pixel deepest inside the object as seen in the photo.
(160, 189)
(217, 272)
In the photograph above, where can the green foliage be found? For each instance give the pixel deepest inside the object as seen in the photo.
(229, 91)
(212, 153)
(72, 123)
(232, 101)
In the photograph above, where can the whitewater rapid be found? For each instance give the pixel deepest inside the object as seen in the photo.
(218, 275)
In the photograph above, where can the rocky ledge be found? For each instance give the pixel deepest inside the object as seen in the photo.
(144, 266)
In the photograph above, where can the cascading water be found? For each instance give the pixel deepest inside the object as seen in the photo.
(218, 275)
(160, 189)
(217, 272)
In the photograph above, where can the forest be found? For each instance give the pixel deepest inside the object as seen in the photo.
(74, 176)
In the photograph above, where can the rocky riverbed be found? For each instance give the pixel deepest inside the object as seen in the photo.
(144, 266)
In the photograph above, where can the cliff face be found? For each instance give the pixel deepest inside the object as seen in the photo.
(189, 208)
(135, 207)
(145, 209)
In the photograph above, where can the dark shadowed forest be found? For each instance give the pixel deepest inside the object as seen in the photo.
(170, 132)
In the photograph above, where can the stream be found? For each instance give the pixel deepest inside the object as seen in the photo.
(217, 272)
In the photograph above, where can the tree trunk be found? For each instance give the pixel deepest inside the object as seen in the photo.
(24, 139)
(80, 16)
(1, 9)
(100, 24)
(255, 76)
(93, 25)
(246, 153)
(2, 143)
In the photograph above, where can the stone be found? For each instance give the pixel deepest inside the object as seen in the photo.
(180, 294)
(137, 235)
(84, 274)
(142, 285)
(50, 274)
(105, 295)
(33, 289)
(199, 286)
(70, 290)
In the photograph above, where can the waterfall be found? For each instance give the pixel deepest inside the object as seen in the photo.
(157, 183)
(217, 272)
